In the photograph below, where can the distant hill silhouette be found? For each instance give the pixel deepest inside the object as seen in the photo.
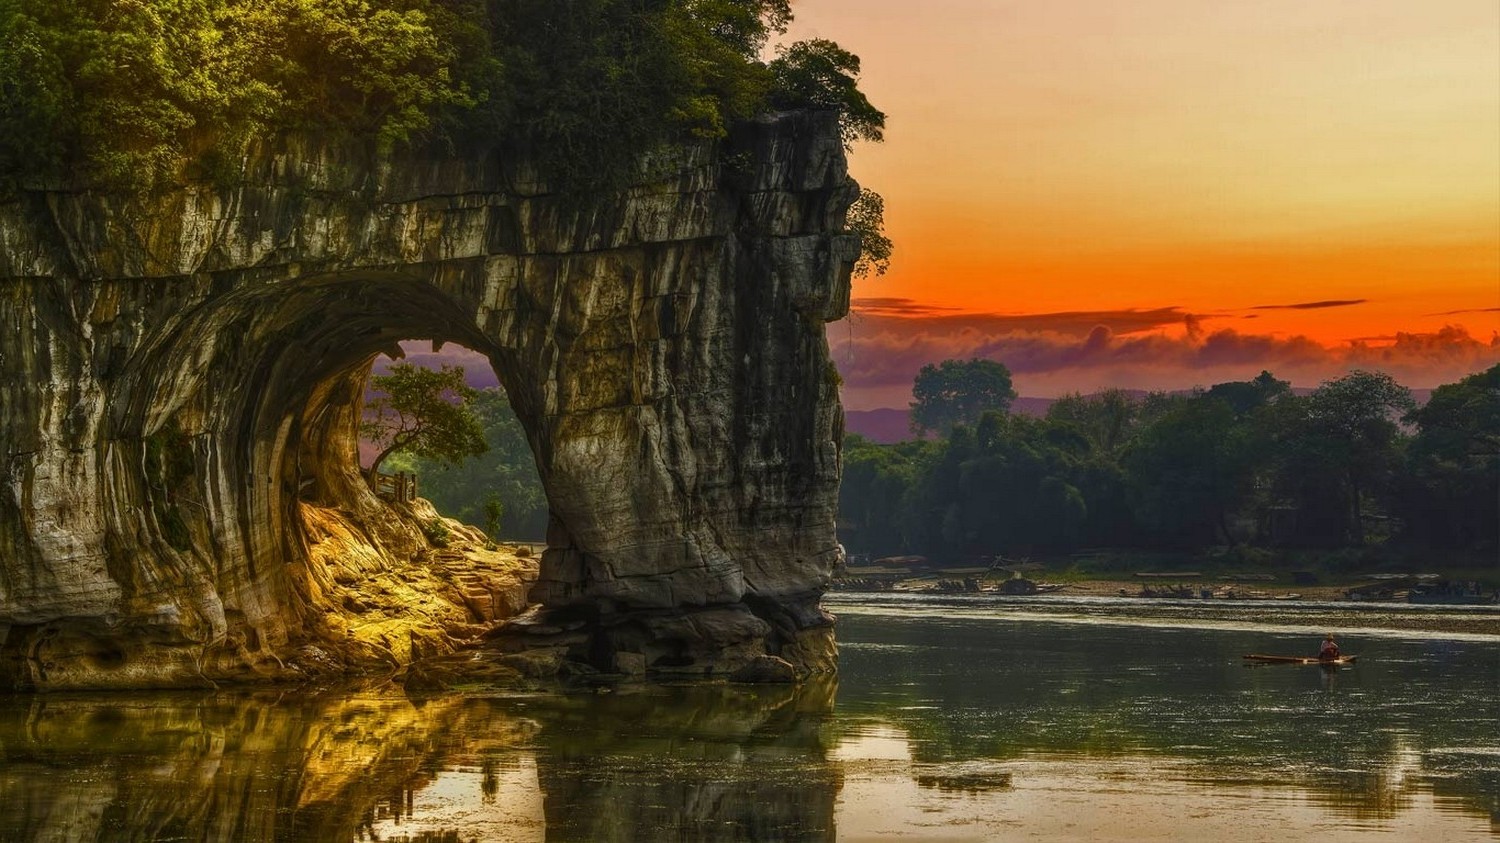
(888, 424)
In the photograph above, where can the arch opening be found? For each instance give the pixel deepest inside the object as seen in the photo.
(391, 578)
(498, 489)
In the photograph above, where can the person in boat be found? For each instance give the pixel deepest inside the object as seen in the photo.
(1330, 649)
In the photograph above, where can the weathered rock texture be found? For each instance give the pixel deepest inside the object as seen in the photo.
(181, 380)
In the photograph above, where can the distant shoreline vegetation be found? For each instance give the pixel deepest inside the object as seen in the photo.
(1353, 469)
(131, 94)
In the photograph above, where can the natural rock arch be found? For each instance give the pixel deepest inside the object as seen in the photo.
(181, 376)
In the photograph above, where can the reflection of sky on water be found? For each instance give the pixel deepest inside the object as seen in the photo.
(1110, 798)
(500, 803)
(1286, 751)
(940, 727)
(1086, 797)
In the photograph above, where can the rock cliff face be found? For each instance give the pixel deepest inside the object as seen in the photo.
(181, 378)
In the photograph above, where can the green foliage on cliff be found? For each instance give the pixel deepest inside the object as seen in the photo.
(820, 73)
(125, 93)
(867, 219)
(130, 90)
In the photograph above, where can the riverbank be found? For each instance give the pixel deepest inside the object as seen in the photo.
(1244, 589)
(1371, 575)
(1101, 601)
(1178, 584)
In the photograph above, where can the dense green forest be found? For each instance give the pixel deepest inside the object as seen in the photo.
(1247, 465)
(131, 93)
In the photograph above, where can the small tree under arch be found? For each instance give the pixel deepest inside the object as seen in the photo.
(425, 412)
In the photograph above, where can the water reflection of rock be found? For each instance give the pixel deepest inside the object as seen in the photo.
(690, 763)
(256, 767)
(704, 763)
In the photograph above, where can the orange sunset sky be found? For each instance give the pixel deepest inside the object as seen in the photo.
(1169, 193)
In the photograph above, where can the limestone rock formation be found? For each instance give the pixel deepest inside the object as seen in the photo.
(180, 379)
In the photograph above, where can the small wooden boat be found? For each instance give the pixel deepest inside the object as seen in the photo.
(1300, 659)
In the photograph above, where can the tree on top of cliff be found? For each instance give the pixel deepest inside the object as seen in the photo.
(427, 413)
(958, 392)
(125, 94)
(821, 74)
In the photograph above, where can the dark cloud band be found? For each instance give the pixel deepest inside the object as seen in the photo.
(1079, 323)
(1311, 305)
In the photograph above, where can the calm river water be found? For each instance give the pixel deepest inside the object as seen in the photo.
(957, 718)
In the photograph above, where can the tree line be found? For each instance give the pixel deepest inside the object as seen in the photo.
(1246, 463)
